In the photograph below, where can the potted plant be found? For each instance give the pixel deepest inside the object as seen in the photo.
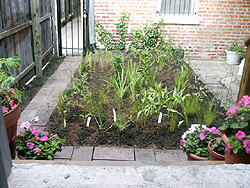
(216, 148)
(237, 128)
(10, 98)
(195, 140)
(234, 53)
(37, 144)
(238, 148)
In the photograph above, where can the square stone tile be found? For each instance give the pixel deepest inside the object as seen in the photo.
(170, 155)
(116, 154)
(144, 155)
(66, 153)
(82, 153)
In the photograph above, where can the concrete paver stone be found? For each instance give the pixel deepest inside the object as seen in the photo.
(144, 155)
(66, 153)
(170, 155)
(120, 154)
(82, 154)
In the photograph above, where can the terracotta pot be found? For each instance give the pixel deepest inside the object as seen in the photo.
(235, 159)
(224, 138)
(192, 157)
(213, 155)
(11, 119)
(21, 157)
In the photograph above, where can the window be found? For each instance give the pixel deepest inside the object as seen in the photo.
(179, 11)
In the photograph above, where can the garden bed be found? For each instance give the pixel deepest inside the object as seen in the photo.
(166, 85)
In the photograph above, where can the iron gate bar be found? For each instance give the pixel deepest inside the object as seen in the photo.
(59, 27)
(84, 28)
(87, 25)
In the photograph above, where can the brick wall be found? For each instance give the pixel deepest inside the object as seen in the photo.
(221, 22)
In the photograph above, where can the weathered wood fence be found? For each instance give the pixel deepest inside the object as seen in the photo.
(27, 30)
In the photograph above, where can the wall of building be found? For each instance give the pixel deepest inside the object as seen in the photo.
(221, 23)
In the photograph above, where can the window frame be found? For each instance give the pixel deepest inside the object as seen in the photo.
(179, 18)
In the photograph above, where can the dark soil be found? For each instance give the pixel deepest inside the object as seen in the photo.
(153, 135)
(31, 89)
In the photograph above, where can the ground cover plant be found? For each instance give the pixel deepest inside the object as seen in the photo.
(146, 96)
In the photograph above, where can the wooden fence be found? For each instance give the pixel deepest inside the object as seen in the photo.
(27, 30)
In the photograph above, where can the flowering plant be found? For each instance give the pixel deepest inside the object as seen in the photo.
(37, 144)
(238, 118)
(239, 144)
(218, 146)
(8, 95)
(195, 139)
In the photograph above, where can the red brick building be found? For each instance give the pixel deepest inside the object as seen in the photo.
(201, 27)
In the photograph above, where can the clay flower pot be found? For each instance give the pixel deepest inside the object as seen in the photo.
(213, 155)
(21, 157)
(11, 119)
(193, 157)
(235, 159)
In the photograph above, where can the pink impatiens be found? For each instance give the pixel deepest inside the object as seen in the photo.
(247, 146)
(202, 136)
(240, 135)
(5, 110)
(25, 124)
(228, 148)
(36, 150)
(30, 145)
(44, 138)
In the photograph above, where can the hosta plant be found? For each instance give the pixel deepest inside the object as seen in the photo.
(195, 139)
(37, 144)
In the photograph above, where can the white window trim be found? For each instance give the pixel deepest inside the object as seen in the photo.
(178, 19)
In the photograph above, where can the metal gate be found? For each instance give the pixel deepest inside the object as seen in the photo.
(73, 32)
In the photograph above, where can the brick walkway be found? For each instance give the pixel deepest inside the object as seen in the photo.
(118, 154)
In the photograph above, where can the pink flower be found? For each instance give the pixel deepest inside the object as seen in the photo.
(242, 118)
(44, 138)
(183, 142)
(240, 135)
(5, 110)
(232, 110)
(55, 135)
(247, 146)
(214, 130)
(12, 104)
(25, 124)
(202, 136)
(205, 130)
(30, 145)
(228, 146)
(22, 133)
(180, 148)
(12, 91)
(35, 119)
(36, 150)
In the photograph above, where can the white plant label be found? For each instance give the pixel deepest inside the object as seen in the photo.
(114, 115)
(88, 121)
(160, 118)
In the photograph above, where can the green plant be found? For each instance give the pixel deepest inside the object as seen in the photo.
(118, 65)
(133, 76)
(238, 117)
(235, 48)
(210, 113)
(146, 37)
(239, 144)
(192, 105)
(37, 144)
(89, 61)
(105, 37)
(218, 146)
(122, 29)
(8, 93)
(195, 140)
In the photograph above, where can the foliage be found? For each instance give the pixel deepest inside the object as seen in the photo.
(108, 39)
(238, 118)
(235, 48)
(146, 37)
(37, 144)
(192, 105)
(218, 146)
(195, 140)
(210, 113)
(122, 29)
(239, 144)
(8, 93)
